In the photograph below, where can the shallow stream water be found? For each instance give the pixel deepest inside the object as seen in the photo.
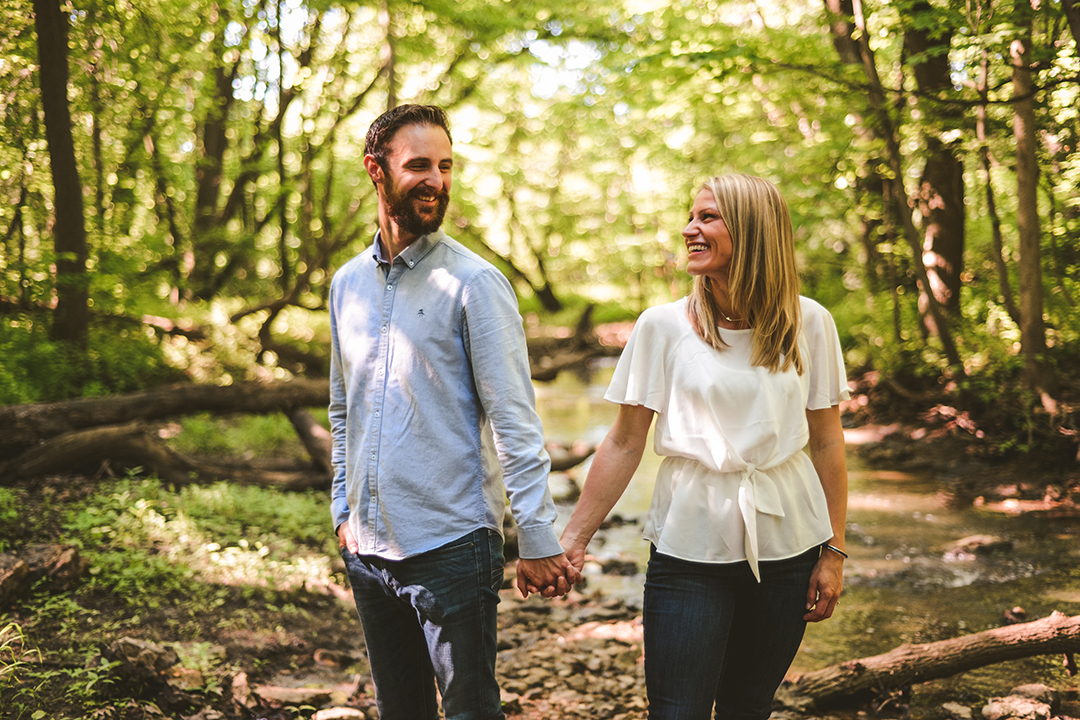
(902, 584)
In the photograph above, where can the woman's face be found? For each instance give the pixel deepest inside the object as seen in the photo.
(707, 238)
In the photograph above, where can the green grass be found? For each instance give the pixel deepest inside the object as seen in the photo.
(258, 435)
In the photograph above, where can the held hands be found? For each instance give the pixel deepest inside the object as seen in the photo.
(550, 577)
(826, 582)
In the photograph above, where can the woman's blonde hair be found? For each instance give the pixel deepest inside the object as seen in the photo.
(763, 281)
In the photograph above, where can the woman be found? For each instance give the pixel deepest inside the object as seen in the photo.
(747, 531)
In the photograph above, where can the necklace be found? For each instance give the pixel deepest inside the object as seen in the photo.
(729, 319)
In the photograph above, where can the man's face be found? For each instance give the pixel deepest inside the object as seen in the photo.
(417, 182)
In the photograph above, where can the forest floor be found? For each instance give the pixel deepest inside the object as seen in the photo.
(299, 653)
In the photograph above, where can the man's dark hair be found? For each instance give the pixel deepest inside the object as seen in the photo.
(384, 128)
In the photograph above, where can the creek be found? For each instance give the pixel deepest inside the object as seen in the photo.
(902, 582)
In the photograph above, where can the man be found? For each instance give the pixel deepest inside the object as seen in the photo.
(431, 410)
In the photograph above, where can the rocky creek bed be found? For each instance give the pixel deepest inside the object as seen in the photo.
(300, 654)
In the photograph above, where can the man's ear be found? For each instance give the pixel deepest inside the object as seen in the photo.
(374, 169)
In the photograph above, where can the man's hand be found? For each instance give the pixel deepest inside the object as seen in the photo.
(550, 577)
(345, 538)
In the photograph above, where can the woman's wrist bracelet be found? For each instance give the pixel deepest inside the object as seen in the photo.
(838, 551)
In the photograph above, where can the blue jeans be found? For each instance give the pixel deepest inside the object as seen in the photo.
(432, 619)
(716, 637)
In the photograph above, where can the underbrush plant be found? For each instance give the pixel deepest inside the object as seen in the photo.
(148, 543)
(37, 369)
(175, 556)
(990, 400)
(9, 517)
(15, 653)
(17, 661)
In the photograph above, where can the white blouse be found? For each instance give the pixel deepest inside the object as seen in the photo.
(735, 483)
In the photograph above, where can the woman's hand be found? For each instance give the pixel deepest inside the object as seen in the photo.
(826, 584)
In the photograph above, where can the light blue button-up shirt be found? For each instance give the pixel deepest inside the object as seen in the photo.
(431, 404)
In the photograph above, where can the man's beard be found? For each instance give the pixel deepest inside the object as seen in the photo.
(402, 211)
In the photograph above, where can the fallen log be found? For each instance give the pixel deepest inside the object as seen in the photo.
(860, 680)
(548, 367)
(131, 445)
(81, 435)
(564, 457)
(315, 438)
(549, 356)
(27, 424)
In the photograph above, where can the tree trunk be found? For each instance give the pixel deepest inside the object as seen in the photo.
(389, 56)
(859, 680)
(71, 318)
(1004, 284)
(871, 185)
(1073, 16)
(879, 105)
(207, 233)
(842, 29)
(1032, 329)
(941, 188)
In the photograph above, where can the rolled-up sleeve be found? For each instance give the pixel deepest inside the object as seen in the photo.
(495, 342)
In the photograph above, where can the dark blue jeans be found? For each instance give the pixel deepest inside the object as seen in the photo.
(432, 619)
(716, 637)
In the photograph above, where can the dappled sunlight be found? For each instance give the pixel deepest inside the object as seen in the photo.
(868, 433)
(221, 536)
(182, 540)
(629, 632)
(894, 501)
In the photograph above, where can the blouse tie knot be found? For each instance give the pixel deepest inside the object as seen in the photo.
(757, 494)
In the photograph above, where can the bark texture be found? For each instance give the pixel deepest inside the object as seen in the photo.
(28, 424)
(859, 680)
(71, 318)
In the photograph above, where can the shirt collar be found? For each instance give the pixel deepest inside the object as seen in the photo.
(411, 255)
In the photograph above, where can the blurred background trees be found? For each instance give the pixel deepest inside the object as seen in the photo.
(928, 150)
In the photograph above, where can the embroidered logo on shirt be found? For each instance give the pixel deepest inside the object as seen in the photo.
(420, 312)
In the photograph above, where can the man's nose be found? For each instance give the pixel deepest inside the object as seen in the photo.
(434, 179)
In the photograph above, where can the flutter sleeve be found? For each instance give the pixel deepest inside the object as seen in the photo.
(641, 375)
(828, 378)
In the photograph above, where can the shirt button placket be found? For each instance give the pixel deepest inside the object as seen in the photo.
(380, 390)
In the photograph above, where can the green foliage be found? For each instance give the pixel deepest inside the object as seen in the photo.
(37, 369)
(147, 543)
(11, 527)
(258, 435)
(573, 307)
(216, 187)
(14, 653)
(17, 659)
(257, 517)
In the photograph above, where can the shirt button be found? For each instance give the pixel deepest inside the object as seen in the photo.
(389, 287)
(384, 329)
